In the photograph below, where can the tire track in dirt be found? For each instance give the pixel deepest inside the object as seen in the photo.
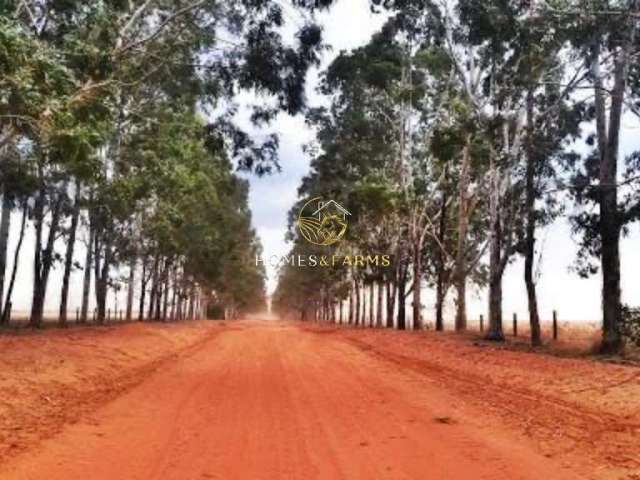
(269, 401)
(608, 439)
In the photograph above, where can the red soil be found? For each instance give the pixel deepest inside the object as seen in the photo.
(271, 400)
(53, 377)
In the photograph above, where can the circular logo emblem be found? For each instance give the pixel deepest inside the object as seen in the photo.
(322, 222)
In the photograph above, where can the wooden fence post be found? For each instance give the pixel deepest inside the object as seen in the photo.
(555, 325)
(77, 315)
(481, 323)
(515, 324)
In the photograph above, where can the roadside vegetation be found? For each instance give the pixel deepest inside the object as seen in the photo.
(454, 137)
(118, 148)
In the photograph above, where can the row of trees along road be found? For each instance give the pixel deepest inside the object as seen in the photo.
(103, 140)
(453, 137)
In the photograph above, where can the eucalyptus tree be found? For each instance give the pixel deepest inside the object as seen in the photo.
(604, 35)
(438, 120)
(377, 82)
(373, 202)
(80, 79)
(541, 75)
(389, 99)
(352, 149)
(477, 48)
(18, 184)
(39, 124)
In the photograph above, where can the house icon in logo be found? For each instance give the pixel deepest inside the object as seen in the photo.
(322, 222)
(331, 207)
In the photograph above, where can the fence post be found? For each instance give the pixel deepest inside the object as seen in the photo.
(555, 325)
(108, 314)
(77, 315)
(515, 324)
(481, 323)
(8, 313)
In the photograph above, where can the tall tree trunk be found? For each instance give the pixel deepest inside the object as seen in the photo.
(530, 239)
(441, 261)
(68, 260)
(327, 308)
(442, 276)
(495, 256)
(440, 296)
(401, 287)
(44, 258)
(96, 275)
(165, 288)
(38, 220)
(371, 304)
(174, 292)
(357, 319)
(391, 300)
(102, 277)
(609, 227)
(16, 257)
(363, 294)
(380, 292)
(351, 312)
(86, 278)
(363, 304)
(191, 311)
(180, 307)
(165, 302)
(460, 273)
(5, 224)
(143, 289)
(417, 290)
(461, 302)
(159, 291)
(130, 287)
(154, 287)
(101, 264)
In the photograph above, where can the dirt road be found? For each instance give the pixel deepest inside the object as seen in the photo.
(271, 400)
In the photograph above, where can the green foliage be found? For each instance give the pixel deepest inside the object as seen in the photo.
(107, 95)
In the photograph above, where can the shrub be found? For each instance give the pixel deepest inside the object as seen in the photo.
(631, 324)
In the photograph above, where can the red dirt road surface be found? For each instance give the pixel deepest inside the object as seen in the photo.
(273, 400)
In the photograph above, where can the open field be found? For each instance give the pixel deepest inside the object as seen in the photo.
(269, 399)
